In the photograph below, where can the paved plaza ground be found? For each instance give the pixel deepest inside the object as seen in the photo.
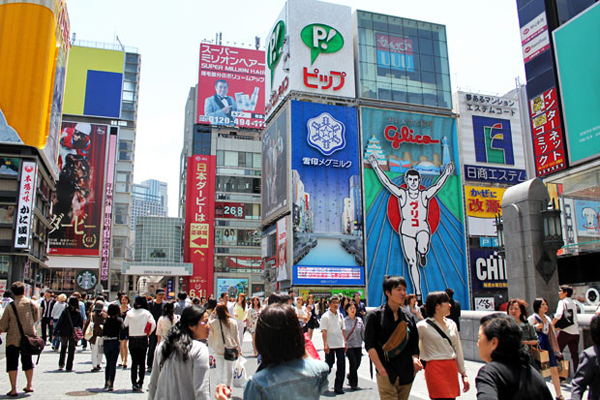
(50, 383)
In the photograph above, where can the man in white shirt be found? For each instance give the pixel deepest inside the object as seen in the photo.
(334, 341)
(569, 335)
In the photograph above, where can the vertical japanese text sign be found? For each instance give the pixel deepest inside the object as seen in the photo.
(108, 202)
(27, 189)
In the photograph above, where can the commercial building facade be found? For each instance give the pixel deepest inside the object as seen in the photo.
(149, 198)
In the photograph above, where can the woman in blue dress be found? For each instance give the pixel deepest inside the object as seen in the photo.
(547, 339)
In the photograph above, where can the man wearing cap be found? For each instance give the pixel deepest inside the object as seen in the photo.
(156, 309)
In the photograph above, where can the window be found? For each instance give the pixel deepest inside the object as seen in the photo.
(231, 158)
(121, 214)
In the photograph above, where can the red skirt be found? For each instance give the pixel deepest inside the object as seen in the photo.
(442, 379)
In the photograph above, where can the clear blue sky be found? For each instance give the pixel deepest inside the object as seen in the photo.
(483, 44)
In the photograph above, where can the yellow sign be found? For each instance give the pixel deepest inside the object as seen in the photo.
(483, 202)
(199, 236)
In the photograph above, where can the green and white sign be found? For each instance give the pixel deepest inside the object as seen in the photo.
(86, 280)
(578, 58)
(321, 38)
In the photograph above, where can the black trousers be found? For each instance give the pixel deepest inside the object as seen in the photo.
(354, 355)
(67, 343)
(152, 339)
(111, 351)
(138, 347)
(340, 366)
(46, 326)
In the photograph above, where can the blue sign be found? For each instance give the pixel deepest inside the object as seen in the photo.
(488, 242)
(481, 173)
(326, 194)
(493, 140)
(329, 276)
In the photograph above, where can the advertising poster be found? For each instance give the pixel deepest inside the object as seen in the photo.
(231, 86)
(587, 217)
(199, 220)
(77, 210)
(26, 204)
(282, 265)
(482, 205)
(232, 286)
(413, 203)
(326, 195)
(578, 76)
(108, 208)
(488, 271)
(274, 168)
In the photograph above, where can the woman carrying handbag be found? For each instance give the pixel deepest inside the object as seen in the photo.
(225, 342)
(68, 328)
(141, 324)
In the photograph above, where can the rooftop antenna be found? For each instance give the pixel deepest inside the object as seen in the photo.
(119, 41)
(257, 42)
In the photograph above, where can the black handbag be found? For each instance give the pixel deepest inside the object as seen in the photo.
(229, 354)
(566, 319)
(30, 345)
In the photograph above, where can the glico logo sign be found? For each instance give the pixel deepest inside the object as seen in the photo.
(320, 38)
(493, 140)
(326, 134)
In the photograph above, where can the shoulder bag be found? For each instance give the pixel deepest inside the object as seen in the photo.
(353, 328)
(229, 354)
(442, 334)
(77, 332)
(30, 345)
(567, 318)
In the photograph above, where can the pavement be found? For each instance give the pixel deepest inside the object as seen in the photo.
(50, 383)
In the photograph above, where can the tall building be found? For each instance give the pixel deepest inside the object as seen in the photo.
(220, 174)
(150, 198)
(33, 56)
(93, 213)
(562, 103)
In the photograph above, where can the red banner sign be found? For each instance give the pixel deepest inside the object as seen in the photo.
(200, 216)
(547, 134)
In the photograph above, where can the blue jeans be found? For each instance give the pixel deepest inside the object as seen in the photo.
(111, 351)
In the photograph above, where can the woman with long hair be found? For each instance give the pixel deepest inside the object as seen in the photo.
(251, 317)
(224, 334)
(546, 339)
(507, 373)
(239, 311)
(65, 327)
(442, 349)
(124, 309)
(181, 370)
(313, 322)
(111, 333)
(413, 307)
(96, 317)
(168, 319)
(284, 368)
(517, 309)
(59, 307)
(141, 324)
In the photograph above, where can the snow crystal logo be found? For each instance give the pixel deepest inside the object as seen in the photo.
(326, 134)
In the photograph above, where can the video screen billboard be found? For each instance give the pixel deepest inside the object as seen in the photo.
(232, 286)
(77, 211)
(578, 77)
(275, 168)
(94, 82)
(231, 86)
(282, 264)
(326, 194)
(413, 201)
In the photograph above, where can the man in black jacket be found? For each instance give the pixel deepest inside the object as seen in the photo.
(46, 306)
(455, 309)
(395, 375)
(588, 373)
(156, 309)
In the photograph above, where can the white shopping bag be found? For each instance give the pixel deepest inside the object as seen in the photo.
(239, 372)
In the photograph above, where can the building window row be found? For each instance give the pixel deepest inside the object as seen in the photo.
(239, 159)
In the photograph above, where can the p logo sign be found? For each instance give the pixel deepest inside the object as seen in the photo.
(320, 38)
(493, 140)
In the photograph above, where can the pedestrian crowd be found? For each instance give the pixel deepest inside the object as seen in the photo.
(178, 342)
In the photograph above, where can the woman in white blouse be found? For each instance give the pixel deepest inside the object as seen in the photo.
(141, 324)
(168, 319)
(224, 334)
(441, 349)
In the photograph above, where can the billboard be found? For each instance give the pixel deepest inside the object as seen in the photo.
(409, 156)
(95, 82)
(587, 216)
(488, 271)
(232, 286)
(578, 77)
(231, 86)
(275, 168)
(282, 264)
(482, 205)
(33, 52)
(77, 209)
(199, 219)
(108, 206)
(319, 35)
(26, 204)
(326, 194)
(491, 147)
